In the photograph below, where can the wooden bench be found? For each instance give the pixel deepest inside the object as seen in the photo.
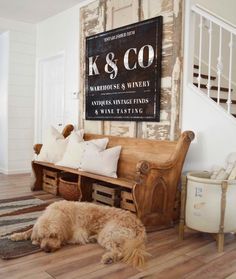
(149, 172)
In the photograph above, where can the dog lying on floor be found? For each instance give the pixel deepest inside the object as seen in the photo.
(120, 232)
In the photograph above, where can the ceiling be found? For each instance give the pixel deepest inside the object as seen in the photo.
(33, 11)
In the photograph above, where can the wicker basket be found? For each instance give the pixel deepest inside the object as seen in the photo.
(68, 187)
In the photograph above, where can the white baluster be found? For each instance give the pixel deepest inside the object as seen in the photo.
(200, 54)
(219, 66)
(223, 26)
(209, 59)
(229, 101)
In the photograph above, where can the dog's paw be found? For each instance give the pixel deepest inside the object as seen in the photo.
(35, 242)
(13, 237)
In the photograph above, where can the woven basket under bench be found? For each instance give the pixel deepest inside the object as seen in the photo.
(68, 187)
(61, 183)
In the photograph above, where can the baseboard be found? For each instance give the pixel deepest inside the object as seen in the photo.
(19, 171)
(3, 170)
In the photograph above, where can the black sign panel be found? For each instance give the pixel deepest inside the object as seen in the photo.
(123, 73)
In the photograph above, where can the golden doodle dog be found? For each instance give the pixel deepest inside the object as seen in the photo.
(120, 232)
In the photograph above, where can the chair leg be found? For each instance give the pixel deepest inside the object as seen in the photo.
(220, 242)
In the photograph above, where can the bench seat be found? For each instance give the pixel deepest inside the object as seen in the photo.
(115, 181)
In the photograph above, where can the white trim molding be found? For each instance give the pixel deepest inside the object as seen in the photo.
(16, 171)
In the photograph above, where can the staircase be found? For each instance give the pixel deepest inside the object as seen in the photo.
(214, 89)
(212, 58)
(209, 87)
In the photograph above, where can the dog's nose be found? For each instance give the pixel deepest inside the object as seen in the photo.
(47, 249)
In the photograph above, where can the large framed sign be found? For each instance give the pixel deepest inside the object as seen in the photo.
(123, 73)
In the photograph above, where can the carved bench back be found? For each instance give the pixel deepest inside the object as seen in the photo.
(135, 150)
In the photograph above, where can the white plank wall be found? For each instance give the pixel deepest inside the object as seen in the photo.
(21, 87)
(4, 53)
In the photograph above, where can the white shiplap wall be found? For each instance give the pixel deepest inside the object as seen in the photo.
(4, 62)
(21, 88)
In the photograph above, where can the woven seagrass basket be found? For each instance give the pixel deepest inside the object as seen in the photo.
(68, 187)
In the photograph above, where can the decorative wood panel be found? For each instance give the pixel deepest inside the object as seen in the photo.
(168, 128)
(117, 11)
(104, 15)
(92, 22)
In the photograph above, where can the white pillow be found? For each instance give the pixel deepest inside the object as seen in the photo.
(51, 134)
(232, 175)
(77, 135)
(101, 162)
(53, 147)
(74, 151)
(231, 158)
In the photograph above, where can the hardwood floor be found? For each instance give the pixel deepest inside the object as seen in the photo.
(195, 257)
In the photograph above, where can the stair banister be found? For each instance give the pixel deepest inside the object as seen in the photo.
(219, 66)
(213, 80)
(209, 59)
(230, 72)
(200, 53)
(214, 18)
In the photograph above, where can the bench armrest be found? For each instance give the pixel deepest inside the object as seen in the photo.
(37, 147)
(155, 190)
(66, 132)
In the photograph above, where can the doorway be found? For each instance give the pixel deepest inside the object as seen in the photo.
(51, 95)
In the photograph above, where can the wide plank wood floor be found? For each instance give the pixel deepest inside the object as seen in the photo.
(195, 257)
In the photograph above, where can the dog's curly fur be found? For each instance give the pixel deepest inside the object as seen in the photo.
(120, 232)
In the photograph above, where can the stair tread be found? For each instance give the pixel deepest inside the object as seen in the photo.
(223, 95)
(213, 87)
(204, 76)
(214, 82)
(224, 91)
(233, 102)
